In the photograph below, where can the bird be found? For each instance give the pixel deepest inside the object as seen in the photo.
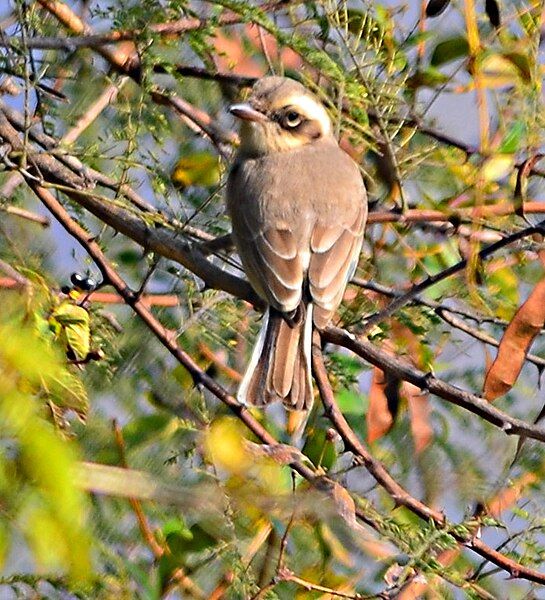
(298, 209)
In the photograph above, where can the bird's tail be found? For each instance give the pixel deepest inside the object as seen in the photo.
(280, 367)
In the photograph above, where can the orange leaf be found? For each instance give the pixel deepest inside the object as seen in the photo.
(232, 56)
(288, 57)
(510, 495)
(419, 411)
(514, 345)
(379, 416)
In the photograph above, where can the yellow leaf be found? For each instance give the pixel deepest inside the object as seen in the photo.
(497, 167)
(498, 71)
(226, 447)
(75, 322)
(200, 168)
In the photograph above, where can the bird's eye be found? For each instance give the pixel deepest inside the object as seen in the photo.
(292, 119)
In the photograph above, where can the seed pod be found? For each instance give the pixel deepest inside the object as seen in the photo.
(436, 7)
(493, 12)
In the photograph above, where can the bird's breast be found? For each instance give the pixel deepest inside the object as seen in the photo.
(306, 183)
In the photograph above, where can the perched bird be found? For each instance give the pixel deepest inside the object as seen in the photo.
(298, 208)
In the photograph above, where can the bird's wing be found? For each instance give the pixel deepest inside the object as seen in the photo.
(296, 216)
(272, 260)
(335, 249)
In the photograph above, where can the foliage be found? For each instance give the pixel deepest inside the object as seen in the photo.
(126, 467)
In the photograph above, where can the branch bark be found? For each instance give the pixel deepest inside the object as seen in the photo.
(400, 496)
(427, 381)
(430, 281)
(167, 242)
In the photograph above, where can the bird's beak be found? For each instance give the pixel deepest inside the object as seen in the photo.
(247, 112)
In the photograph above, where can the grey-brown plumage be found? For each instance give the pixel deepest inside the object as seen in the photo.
(298, 209)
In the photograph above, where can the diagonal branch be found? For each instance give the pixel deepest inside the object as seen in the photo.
(155, 237)
(167, 339)
(427, 381)
(430, 281)
(400, 496)
(125, 60)
(199, 376)
(448, 315)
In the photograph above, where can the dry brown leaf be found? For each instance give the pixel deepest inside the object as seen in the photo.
(510, 495)
(514, 345)
(379, 417)
(232, 56)
(345, 505)
(419, 412)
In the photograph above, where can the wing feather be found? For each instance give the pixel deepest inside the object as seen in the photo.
(298, 219)
(336, 250)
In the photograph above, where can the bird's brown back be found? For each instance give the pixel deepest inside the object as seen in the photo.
(281, 202)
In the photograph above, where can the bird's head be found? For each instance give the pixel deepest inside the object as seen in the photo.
(280, 115)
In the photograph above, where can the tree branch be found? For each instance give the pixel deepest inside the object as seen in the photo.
(166, 338)
(157, 238)
(431, 280)
(400, 496)
(448, 315)
(426, 381)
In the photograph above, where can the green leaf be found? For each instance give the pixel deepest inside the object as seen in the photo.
(449, 50)
(350, 366)
(320, 450)
(200, 168)
(351, 402)
(428, 77)
(417, 38)
(181, 542)
(522, 63)
(140, 430)
(503, 284)
(512, 140)
(46, 504)
(176, 526)
(67, 391)
(129, 257)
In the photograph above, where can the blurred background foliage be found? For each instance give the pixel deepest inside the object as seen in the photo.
(440, 103)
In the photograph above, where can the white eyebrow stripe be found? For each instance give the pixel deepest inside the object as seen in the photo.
(310, 108)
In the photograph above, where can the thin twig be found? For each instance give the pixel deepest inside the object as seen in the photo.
(428, 382)
(25, 214)
(431, 280)
(143, 524)
(448, 315)
(400, 496)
